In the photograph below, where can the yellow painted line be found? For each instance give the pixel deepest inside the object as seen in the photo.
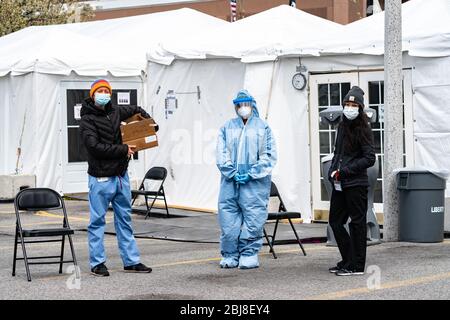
(110, 241)
(57, 216)
(187, 262)
(197, 261)
(160, 205)
(327, 296)
(48, 215)
(52, 215)
(33, 245)
(177, 263)
(27, 224)
(387, 285)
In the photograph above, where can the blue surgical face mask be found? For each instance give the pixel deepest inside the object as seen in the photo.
(245, 112)
(351, 113)
(102, 99)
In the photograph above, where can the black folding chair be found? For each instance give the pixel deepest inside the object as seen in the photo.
(35, 199)
(158, 174)
(281, 214)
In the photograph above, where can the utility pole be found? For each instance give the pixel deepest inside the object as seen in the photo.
(393, 115)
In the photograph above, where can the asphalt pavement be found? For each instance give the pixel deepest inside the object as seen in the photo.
(190, 270)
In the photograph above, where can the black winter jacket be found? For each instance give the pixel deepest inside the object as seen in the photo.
(100, 133)
(352, 166)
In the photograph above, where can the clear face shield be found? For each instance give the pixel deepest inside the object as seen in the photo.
(245, 104)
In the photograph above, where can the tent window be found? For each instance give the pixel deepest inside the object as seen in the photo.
(323, 95)
(77, 151)
(75, 97)
(376, 101)
(330, 94)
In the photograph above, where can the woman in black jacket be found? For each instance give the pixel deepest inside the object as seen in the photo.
(353, 154)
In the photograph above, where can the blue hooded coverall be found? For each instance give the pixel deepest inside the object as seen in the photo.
(241, 149)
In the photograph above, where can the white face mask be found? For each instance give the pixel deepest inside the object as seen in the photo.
(245, 112)
(351, 113)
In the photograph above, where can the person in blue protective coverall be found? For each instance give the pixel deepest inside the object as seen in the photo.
(246, 155)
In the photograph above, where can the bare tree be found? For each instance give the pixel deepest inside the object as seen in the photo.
(18, 14)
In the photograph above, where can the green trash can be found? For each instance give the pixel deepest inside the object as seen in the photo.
(422, 206)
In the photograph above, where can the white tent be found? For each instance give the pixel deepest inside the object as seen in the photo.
(42, 66)
(118, 46)
(143, 33)
(425, 32)
(217, 62)
(261, 37)
(221, 65)
(426, 44)
(55, 50)
(202, 65)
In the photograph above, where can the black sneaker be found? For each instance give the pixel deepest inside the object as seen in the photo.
(139, 268)
(345, 272)
(334, 269)
(100, 270)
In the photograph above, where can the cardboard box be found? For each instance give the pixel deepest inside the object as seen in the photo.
(140, 132)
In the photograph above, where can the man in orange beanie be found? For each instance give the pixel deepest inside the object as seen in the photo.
(108, 178)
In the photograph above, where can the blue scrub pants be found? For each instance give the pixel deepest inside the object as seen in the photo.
(116, 190)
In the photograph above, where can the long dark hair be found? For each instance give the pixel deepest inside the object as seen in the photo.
(357, 132)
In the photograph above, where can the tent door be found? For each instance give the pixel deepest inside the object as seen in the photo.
(325, 90)
(74, 155)
(328, 90)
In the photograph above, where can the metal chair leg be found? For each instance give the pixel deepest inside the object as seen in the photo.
(25, 258)
(270, 244)
(165, 202)
(275, 232)
(77, 272)
(15, 254)
(62, 254)
(136, 195)
(147, 214)
(296, 235)
(151, 206)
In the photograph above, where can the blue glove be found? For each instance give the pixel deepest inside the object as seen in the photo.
(243, 178)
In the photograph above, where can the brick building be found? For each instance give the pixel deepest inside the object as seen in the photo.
(341, 11)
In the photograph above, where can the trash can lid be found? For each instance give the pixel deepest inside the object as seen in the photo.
(441, 173)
